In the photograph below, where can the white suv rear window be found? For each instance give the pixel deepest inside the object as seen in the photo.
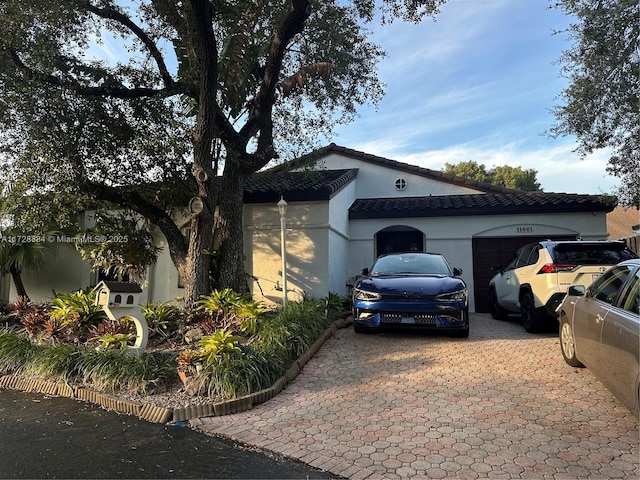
(590, 254)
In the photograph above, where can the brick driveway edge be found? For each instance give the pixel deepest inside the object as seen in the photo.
(500, 404)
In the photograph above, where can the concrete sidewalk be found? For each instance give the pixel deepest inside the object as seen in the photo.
(500, 404)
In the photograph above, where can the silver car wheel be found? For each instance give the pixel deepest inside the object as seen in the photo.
(567, 343)
(567, 340)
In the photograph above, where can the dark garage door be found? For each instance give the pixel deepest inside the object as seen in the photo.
(488, 252)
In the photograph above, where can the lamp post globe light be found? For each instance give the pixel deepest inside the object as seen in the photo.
(282, 208)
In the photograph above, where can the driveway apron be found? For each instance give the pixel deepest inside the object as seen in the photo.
(500, 404)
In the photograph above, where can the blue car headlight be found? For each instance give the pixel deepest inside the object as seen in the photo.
(366, 295)
(457, 296)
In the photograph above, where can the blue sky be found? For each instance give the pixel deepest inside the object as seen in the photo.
(477, 84)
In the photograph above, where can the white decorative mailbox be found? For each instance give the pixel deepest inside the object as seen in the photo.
(122, 299)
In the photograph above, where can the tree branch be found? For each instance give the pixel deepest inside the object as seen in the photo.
(106, 91)
(112, 14)
(133, 200)
(261, 120)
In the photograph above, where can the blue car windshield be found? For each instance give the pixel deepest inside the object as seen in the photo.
(411, 264)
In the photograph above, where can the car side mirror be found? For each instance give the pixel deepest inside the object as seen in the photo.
(365, 271)
(576, 290)
(457, 271)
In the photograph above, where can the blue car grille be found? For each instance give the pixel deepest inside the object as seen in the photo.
(429, 319)
(405, 296)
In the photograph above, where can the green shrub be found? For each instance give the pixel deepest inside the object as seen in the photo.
(232, 361)
(78, 307)
(162, 318)
(282, 336)
(52, 362)
(228, 309)
(248, 371)
(296, 327)
(105, 370)
(116, 370)
(15, 351)
(335, 306)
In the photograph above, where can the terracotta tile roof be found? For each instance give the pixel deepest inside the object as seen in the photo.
(308, 185)
(481, 204)
(269, 185)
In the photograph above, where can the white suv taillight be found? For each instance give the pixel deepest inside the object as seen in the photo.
(555, 268)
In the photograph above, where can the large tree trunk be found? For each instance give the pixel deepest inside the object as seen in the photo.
(195, 271)
(229, 227)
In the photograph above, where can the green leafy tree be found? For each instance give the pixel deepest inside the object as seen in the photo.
(601, 105)
(468, 169)
(509, 177)
(255, 81)
(515, 178)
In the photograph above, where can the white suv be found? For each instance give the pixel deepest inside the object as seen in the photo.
(536, 280)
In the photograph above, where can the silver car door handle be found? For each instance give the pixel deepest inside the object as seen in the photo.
(599, 318)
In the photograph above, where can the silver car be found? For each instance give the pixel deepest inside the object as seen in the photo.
(600, 328)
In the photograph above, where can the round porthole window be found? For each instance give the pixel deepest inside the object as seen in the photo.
(401, 184)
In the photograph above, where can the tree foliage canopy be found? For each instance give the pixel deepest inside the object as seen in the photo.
(509, 177)
(141, 103)
(601, 106)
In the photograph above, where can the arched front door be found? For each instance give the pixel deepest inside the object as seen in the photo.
(399, 238)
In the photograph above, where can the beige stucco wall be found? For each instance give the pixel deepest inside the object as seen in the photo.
(163, 279)
(307, 244)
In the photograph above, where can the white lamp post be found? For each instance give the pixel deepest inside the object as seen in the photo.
(282, 208)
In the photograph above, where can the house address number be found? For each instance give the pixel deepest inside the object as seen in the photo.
(524, 229)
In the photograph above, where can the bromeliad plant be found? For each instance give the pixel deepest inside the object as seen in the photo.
(162, 319)
(227, 309)
(215, 349)
(222, 344)
(113, 341)
(30, 315)
(114, 334)
(78, 307)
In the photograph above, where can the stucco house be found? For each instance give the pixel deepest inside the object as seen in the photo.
(346, 207)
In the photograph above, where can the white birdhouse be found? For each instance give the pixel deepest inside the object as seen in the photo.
(118, 294)
(122, 299)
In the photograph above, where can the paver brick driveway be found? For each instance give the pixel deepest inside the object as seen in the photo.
(500, 404)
